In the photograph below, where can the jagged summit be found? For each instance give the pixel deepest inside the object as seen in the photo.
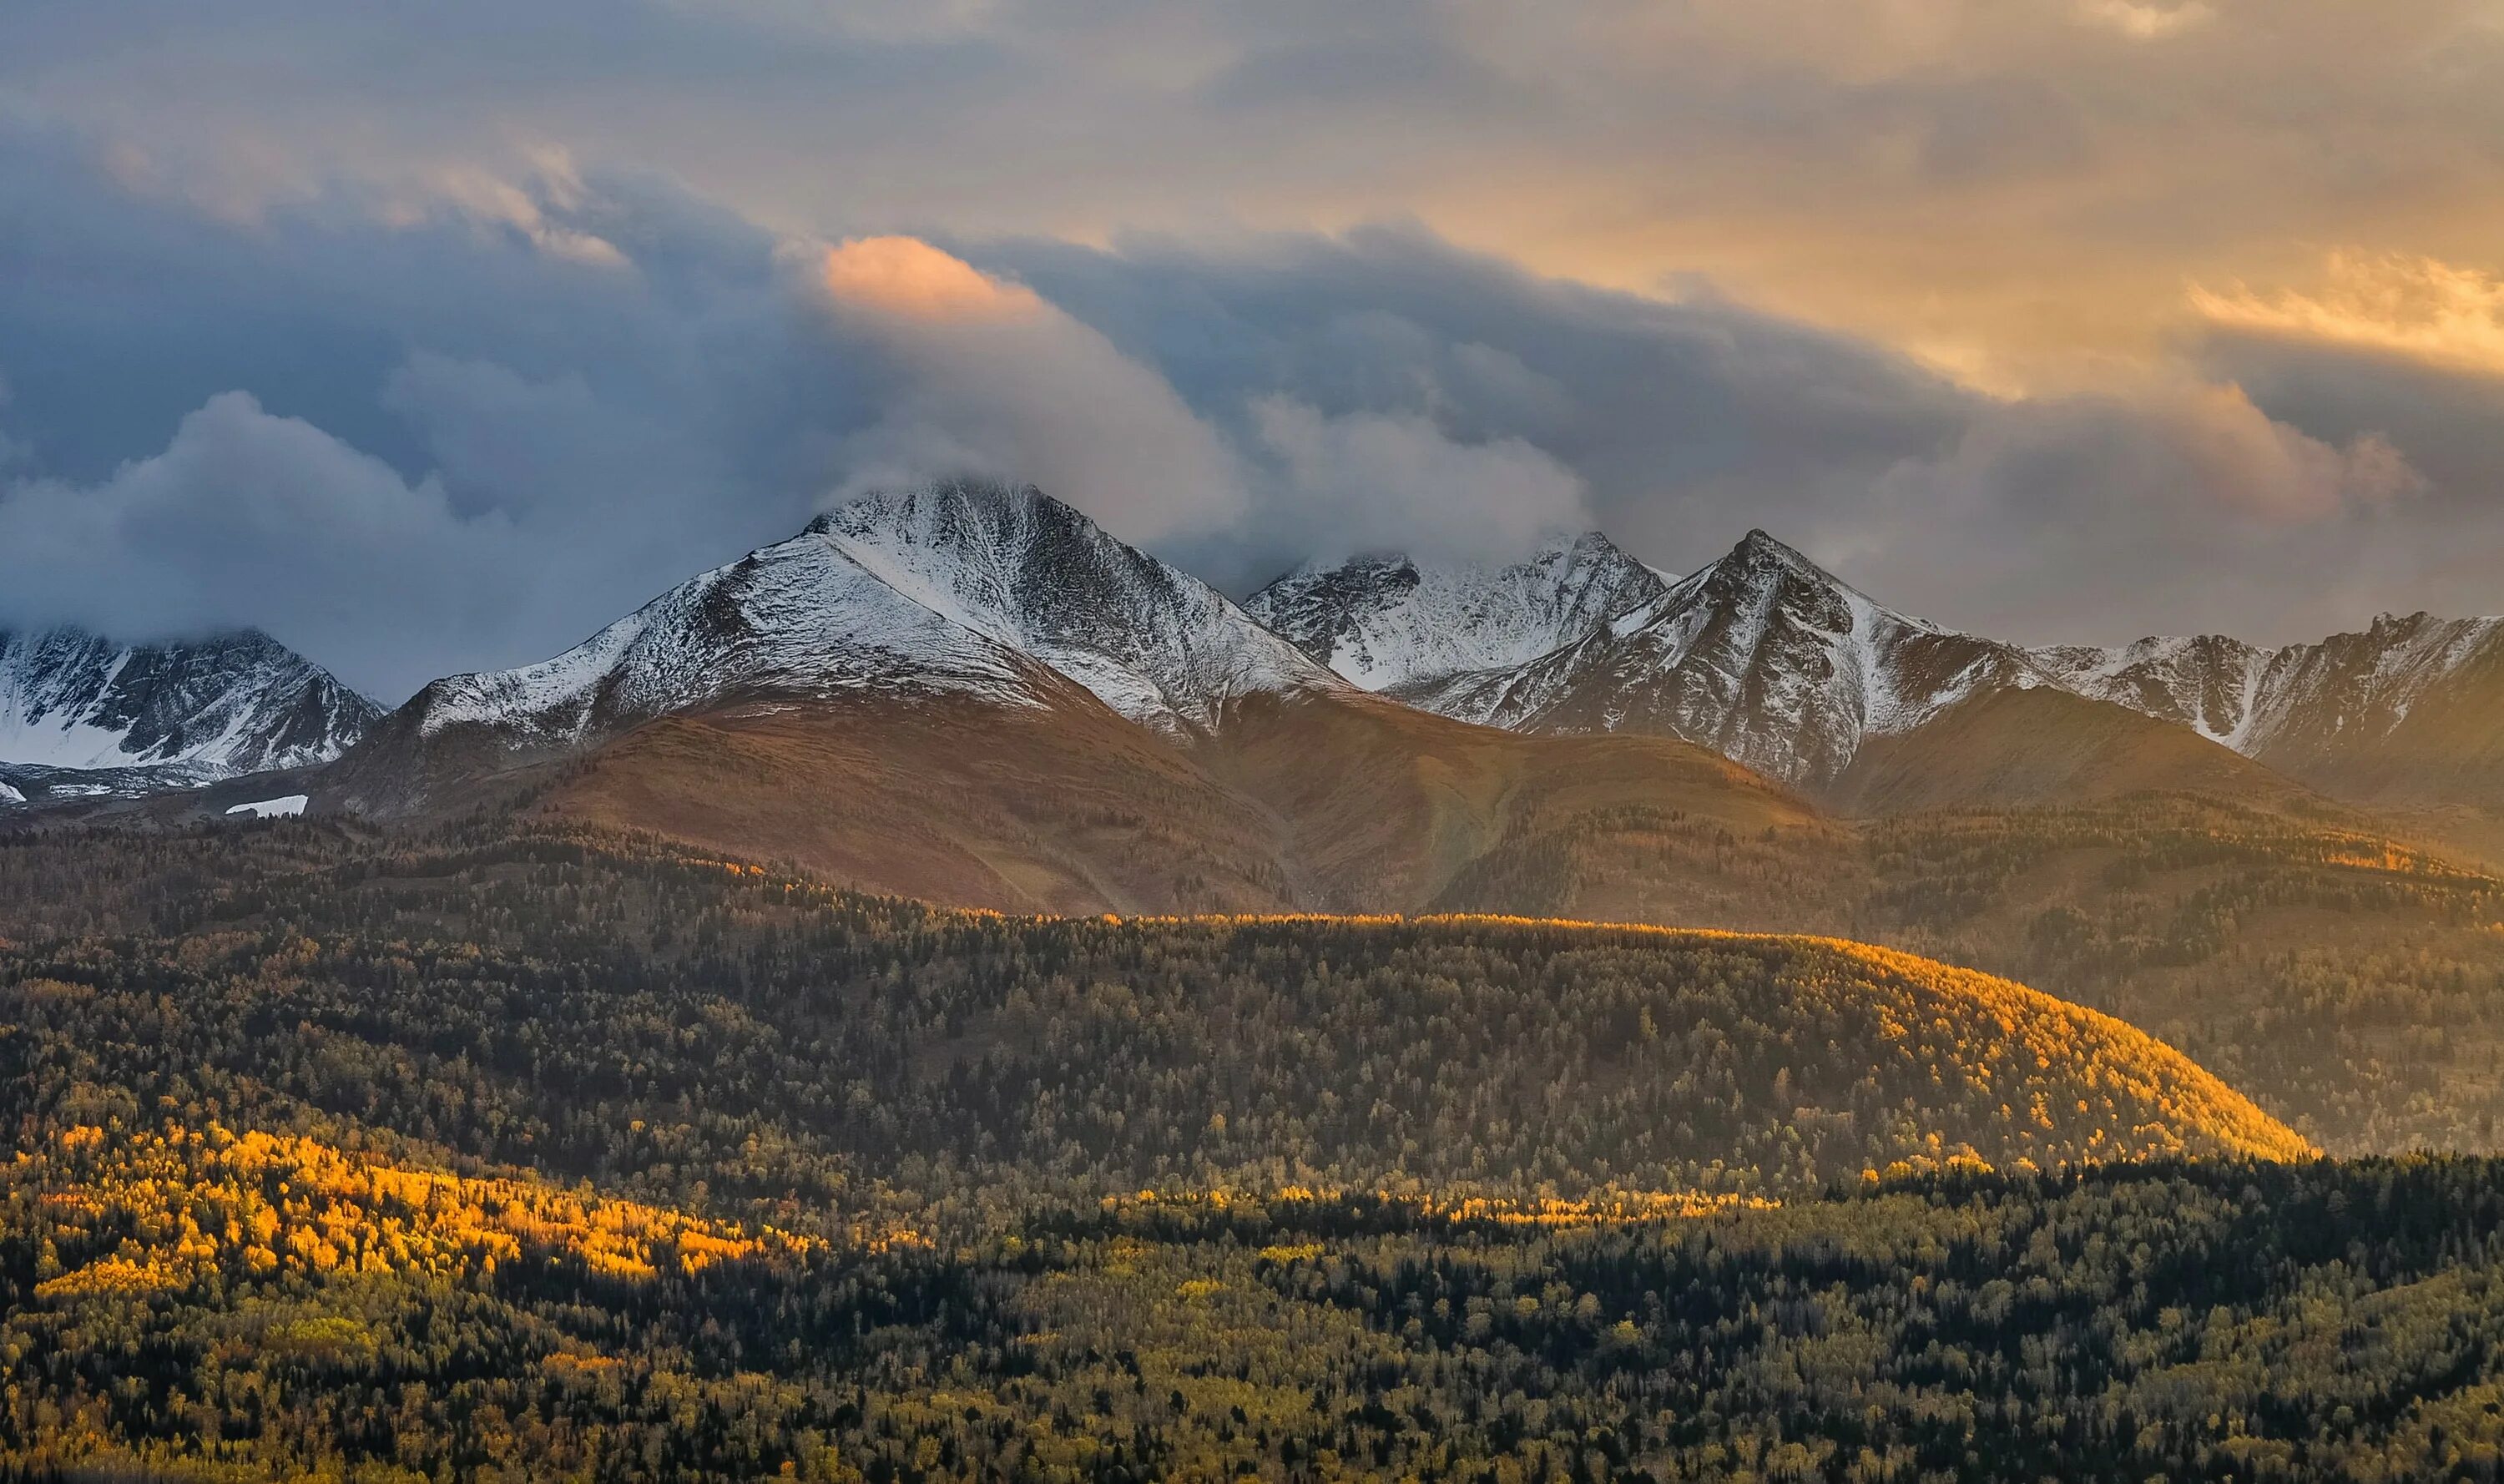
(2406, 709)
(959, 587)
(1758, 545)
(1391, 622)
(83, 715)
(1012, 563)
(1762, 655)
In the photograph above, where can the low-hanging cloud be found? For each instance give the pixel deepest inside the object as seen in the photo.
(2189, 503)
(240, 502)
(990, 379)
(1371, 481)
(2094, 515)
(410, 442)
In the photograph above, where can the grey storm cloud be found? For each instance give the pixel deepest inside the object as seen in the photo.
(414, 433)
(2186, 506)
(1685, 421)
(1948, 171)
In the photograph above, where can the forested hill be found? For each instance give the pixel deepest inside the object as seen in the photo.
(668, 1026)
(573, 1157)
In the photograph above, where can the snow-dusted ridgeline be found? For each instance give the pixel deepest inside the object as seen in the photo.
(2345, 692)
(1774, 661)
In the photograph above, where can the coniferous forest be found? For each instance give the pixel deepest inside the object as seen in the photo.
(501, 1153)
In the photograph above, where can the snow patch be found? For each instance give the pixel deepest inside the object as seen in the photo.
(284, 806)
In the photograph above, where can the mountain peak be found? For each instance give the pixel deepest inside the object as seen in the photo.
(1757, 548)
(1763, 656)
(91, 714)
(961, 586)
(1394, 622)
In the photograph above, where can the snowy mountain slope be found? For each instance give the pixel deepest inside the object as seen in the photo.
(2410, 709)
(1156, 645)
(2211, 685)
(1771, 661)
(961, 588)
(83, 714)
(1761, 656)
(1391, 623)
(796, 618)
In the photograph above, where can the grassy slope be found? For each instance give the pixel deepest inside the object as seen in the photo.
(1071, 810)
(2019, 748)
(1384, 808)
(2446, 750)
(1342, 805)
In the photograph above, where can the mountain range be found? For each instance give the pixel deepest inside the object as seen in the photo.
(970, 694)
(1771, 660)
(1040, 636)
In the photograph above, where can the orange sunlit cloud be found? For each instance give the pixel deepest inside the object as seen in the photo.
(2415, 308)
(2146, 23)
(909, 278)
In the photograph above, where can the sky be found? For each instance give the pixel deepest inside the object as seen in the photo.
(431, 339)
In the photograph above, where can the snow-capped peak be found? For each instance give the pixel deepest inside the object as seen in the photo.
(1762, 655)
(166, 714)
(960, 587)
(1021, 567)
(1391, 622)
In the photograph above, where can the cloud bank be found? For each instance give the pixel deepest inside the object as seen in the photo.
(463, 423)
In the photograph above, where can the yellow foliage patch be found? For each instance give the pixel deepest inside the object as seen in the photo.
(154, 1211)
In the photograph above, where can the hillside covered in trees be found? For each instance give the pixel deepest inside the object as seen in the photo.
(2351, 982)
(673, 1027)
(2344, 977)
(541, 1156)
(187, 1304)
